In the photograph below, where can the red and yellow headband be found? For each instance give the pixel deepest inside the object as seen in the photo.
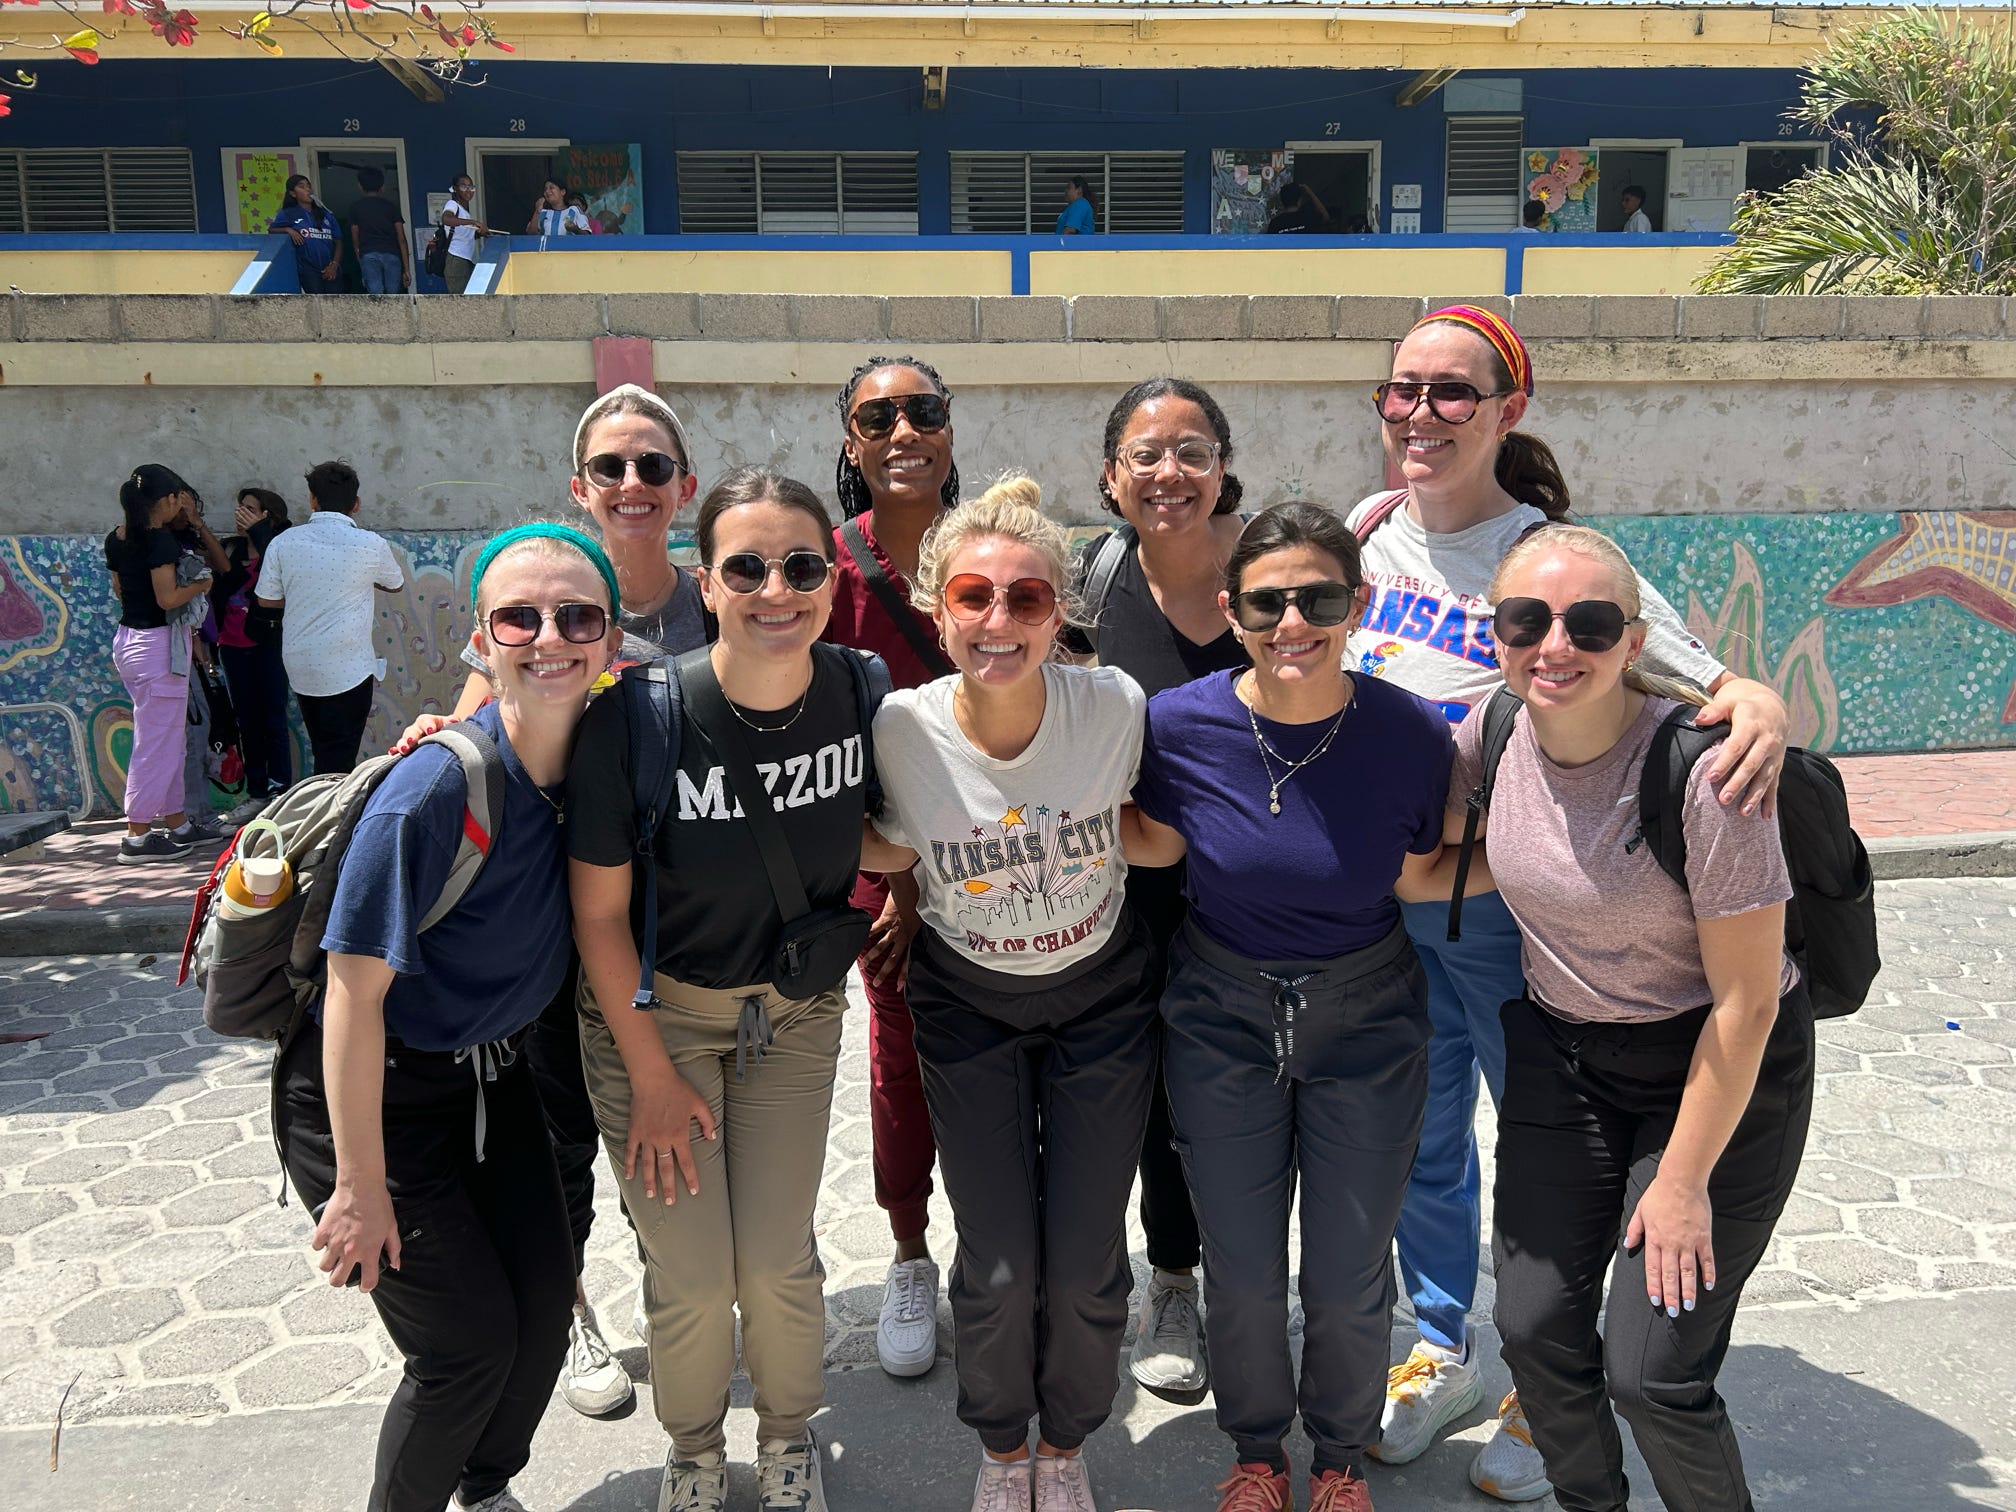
(1504, 340)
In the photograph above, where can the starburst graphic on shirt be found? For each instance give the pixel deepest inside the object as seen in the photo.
(1029, 890)
(1013, 818)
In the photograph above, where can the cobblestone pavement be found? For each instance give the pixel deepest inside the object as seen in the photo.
(143, 1256)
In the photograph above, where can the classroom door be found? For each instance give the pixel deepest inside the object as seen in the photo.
(1620, 166)
(333, 167)
(1341, 177)
(510, 177)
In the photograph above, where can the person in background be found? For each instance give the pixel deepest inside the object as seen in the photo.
(553, 213)
(1636, 221)
(1533, 216)
(203, 556)
(463, 229)
(313, 228)
(578, 201)
(248, 643)
(378, 235)
(1301, 211)
(323, 577)
(1079, 216)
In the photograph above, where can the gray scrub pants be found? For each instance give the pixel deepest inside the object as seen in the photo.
(1287, 1071)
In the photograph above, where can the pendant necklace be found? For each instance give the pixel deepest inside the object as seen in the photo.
(1275, 785)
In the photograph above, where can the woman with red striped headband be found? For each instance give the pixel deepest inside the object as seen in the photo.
(1474, 484)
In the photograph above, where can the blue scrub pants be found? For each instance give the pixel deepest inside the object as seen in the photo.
(1440, 1218)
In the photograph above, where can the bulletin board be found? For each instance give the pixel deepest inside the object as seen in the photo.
(255, 179)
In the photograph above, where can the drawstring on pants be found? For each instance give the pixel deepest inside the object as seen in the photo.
(752, 1033)
(1288, 1002)
(486, 1060)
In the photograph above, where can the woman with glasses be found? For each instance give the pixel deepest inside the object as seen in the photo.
(1659, 1063)
(1151, 606)
(409, 1123)
(726, 1218)
(895, 478)
(1295, 1014)
(1029, 989)
(1475, 484)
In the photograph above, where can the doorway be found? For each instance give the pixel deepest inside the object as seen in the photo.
(333, 165)
(1624, 163)
(1345, 177)
(1769, 167)
(510, 174)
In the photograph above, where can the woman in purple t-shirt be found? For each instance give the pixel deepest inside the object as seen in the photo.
(1658, 1071)
(1296, 1010)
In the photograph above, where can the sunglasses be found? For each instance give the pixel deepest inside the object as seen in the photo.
(803, 571)
(654, 468)
(1193, 458)
(518, 624)
(876, 418)
(1592, 624)
(1030, 601)
(1451, 403)
(1325, 603)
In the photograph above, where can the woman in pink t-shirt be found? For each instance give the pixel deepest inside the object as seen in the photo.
(1659, 1069)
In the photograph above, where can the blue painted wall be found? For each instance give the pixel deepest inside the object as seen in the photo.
(668, 108)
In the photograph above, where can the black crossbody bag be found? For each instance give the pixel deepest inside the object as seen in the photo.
(901, 614)
(815, 947)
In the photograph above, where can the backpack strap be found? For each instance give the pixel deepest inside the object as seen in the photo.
(872, 683)
(1107, 559)
(483, 806)
(1378, 515)
(1499, 715)
(1677, 744)
(654, 712)
(905, 619)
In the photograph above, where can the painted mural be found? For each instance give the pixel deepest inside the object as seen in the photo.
(1883, 632)
(1564, 179)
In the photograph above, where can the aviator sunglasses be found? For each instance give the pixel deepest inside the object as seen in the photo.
(654, 468)
(518, 624)
(803, 571)
(876, 418)
(1030, 601)
(1592, 624)
(1451, 403)
(1325, 603)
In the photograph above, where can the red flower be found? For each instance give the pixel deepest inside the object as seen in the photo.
(120, 8)
(178, 30)
(361, 4)
(500, 46)
(5, 108)
(426, 13)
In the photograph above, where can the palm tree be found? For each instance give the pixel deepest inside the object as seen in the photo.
(1921, 195)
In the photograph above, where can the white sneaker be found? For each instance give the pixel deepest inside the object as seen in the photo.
(787, 1476)
(696, 1485)
(1002, 1487)
(1423, 1393)
(1063, 1484)
(1168, 1353)
(591, 1382)
(247, 811)
(502, 1501)
(1508, 1466)
(906, 1339)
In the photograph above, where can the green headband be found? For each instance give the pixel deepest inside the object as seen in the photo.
(581, 543)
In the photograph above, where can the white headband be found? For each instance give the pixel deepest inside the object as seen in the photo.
(660, 410)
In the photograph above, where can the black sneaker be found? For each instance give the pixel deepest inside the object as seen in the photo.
(195, 832)
(152, 846)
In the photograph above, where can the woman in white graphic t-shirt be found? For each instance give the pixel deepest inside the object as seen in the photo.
(1030, 989)
(1462, 381)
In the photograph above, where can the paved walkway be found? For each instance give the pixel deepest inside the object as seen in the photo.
(145, 1268)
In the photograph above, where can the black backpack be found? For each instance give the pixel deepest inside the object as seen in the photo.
(436, 259)
(1830, 924)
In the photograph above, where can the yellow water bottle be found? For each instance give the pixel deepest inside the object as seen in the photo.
(255, 882)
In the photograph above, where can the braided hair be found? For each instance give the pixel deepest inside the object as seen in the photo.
(848, 483)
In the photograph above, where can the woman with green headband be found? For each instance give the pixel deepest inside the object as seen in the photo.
(409, 1121)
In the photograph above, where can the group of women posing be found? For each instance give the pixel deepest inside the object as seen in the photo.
(1146, 911)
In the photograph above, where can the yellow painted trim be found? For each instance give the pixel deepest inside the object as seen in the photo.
(758, 272)
(122, 270)
(1367, 270)
(301, 365)
(1622, 269)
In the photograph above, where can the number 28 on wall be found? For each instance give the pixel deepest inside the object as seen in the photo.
(517, 125)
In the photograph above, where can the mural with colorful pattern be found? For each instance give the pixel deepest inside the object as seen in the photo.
(1883, 632)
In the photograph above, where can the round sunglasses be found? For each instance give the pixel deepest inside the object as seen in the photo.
(1592, 624)
(1031, 601)
(1193, 458)
(518, 624)
(875, 418)
(1325, 603)
(654, 468)
(803, 571)
(1451, 403)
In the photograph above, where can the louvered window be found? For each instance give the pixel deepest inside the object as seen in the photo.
(56, 189)
(798, 193)
(1486, 181)
(997, 193)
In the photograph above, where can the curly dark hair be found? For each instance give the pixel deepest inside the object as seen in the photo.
(1230, 489)
(848, 483)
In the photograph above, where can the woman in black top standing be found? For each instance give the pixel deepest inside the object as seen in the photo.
(1152, 599)
(248, 641)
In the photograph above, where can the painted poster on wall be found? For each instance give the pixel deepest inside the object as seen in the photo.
(1564, 180)
(610, 175)
(255, 179)
(1246, 185)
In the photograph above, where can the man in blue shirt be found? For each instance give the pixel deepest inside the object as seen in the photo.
(1077, 218)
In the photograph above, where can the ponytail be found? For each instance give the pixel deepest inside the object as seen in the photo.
(149, 483)
(1653, 685)
(1527, 470)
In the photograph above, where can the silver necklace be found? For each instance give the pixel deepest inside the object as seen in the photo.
(1275, 785)
(559, 813)
(772, 729)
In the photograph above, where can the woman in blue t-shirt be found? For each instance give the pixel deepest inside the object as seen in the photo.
(409, 1120)
(317, 236)
(1296, 1010)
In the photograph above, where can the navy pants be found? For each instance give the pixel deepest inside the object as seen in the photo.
(258, 681)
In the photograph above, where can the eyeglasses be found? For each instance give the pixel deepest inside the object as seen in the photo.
(1030, 601)
(518, 624)
(1592, 624)
(1325, 603)
(654, 468)
(1193, 458)
(876, 418)
(803, 571)
(1451, 403)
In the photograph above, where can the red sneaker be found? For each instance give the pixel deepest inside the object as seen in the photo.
(1256, 1487)
(1338, 1491)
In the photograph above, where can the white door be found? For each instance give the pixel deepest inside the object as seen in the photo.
(1701, 188)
